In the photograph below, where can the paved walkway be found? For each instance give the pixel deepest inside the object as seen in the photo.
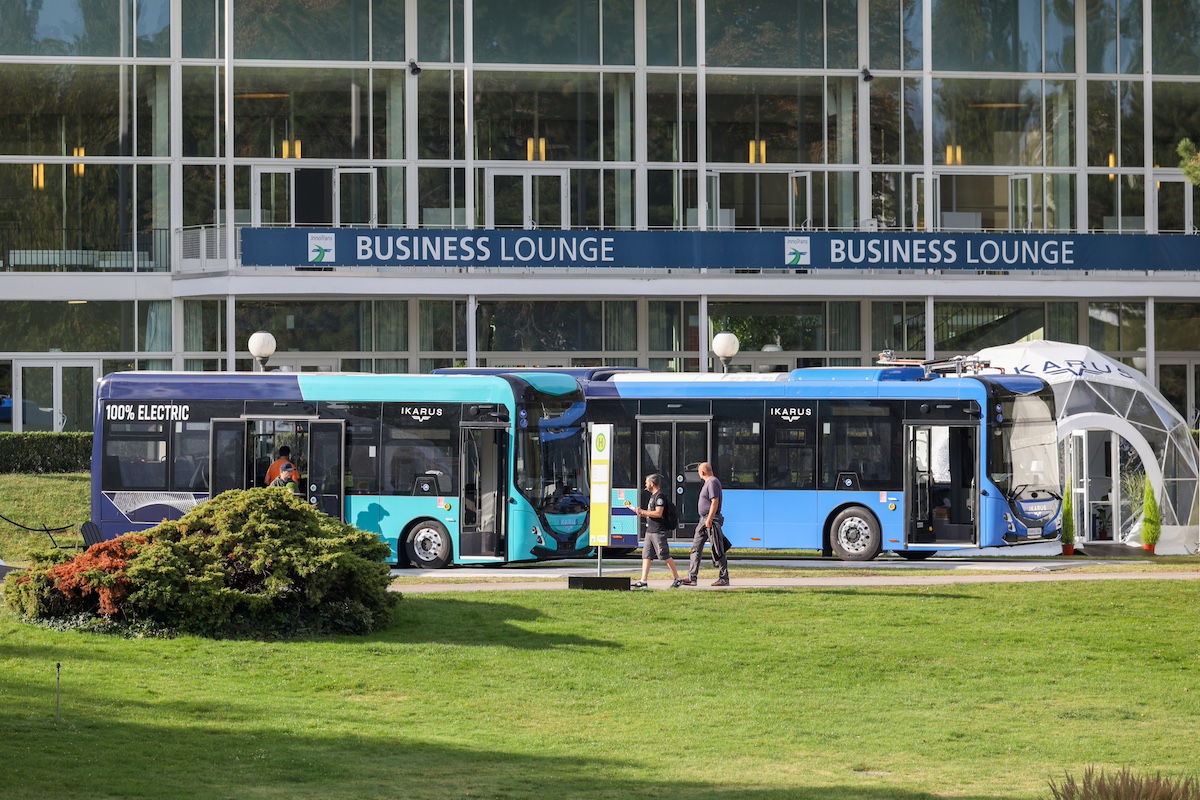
(952, 574)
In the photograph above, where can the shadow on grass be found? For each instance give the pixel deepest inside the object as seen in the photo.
(477, 621)
(932, 592)
(205, 755)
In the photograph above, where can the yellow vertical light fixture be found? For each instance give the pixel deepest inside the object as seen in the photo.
(535, 149)
(79, 152)
(291, 149)
(1112, 162)
(529, 149)
(296, 146)
(39, 177)
(954, 155)
(541, 148)
(757, 151)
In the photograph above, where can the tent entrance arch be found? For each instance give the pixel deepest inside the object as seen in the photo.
(1096, 459)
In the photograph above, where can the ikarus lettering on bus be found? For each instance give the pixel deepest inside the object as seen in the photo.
(147, 412)
(790, 413)
(421, 413)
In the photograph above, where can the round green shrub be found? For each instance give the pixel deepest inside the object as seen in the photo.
(259, 562)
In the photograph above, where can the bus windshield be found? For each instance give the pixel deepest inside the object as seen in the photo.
(552, 454)
(1023, 447)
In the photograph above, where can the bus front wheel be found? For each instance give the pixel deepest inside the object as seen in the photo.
(428, 545)
(854, 535)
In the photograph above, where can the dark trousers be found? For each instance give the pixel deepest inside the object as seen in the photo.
(715, 537)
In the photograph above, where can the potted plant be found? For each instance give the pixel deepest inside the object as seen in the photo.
(1067, 531)
(1151, 519)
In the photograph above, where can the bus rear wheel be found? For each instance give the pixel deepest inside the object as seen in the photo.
(428, 545)
(855, 535)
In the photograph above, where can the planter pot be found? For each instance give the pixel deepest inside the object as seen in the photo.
(1068, 549)
(1148, 547)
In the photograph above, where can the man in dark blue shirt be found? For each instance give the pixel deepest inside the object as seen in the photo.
(708, 529)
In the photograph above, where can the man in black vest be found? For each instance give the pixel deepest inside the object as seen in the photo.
(656, 545)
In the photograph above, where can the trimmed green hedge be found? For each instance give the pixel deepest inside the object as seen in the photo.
(32, 453)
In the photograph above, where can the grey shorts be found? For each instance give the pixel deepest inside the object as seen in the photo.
(656, 546)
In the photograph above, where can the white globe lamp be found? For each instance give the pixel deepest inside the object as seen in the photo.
(725, 346)
(262, 346)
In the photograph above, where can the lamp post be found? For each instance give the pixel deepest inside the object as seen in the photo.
(262, 346)
(725, 347)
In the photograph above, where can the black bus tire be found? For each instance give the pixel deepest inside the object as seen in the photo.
(915, 555)
(854, 535)
(428, 545)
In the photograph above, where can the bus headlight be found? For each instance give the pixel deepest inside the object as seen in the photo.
(537, 534)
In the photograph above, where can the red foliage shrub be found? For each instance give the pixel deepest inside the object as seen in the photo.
(98, 571)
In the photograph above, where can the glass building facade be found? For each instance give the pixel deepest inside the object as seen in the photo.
(135, 133)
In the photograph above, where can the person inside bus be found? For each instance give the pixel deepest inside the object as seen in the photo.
(287, 477)
(283, 456)
(658, 513)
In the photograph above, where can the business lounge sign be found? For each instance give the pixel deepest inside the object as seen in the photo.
(297, 247)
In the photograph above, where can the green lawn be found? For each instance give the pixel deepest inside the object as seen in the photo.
(35, 501)
(958, 691)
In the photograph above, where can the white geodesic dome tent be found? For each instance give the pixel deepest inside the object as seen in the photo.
(1094, 392)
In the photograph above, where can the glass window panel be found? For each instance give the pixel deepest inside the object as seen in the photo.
(532, 325)
(71, 28)
(154, 326)
(198, 29)
(672, 199)
(1102, 123)
(618, 31)
(387, 31)
(914, 123)
(1102, 203)
(1102, 36)
(1133, 204)
(785, 115)
(988, 122)
(1060, 203)
(1062, 322)
(203, 325)
(387, 112)
(887, 120)
(153, 28)
(441, 198)
(1132, 111)
(440, 30)
(671, 123)
(845, 328)
(1177, 326)
(619, 120)
(1174, 105)
(334, 30)
(391, 325)
(666, 325)
(790, 325)
(562, 108)
(620, 325)
(914, 15)
(786, 35)
(325, 109)
(537, 31)
(1114, 326)
(967, 327)
(310, 326)
(885, 34)
(1060, 124)
(662, 33)
(1060, 37)
(153, 109)
(890, 199)
(1130, 29)
(441, 128)
(835, 200)
(841, 39)
(1175, 26)
(53, 109)
(989, 36)
(443, 326)
(200, 122)
(841, 145)
(34, 326)
(619, 199)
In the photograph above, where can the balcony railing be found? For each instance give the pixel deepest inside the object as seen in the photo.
(84, 250)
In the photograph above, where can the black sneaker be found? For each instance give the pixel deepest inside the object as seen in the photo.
(638, 585)
(675, 584)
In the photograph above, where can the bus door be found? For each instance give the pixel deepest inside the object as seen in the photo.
(940, 483)
(674, 448)
(229, 459)
(482, 518)
(325, 483)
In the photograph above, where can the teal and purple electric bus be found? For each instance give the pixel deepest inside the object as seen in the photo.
(446, 469)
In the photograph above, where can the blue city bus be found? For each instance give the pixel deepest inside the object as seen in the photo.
(851, 461)
(446, 469)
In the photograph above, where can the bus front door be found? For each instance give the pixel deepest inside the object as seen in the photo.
(229, 460)
(481, 519)
(942, 462)
(674, 449)
(325, 483)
